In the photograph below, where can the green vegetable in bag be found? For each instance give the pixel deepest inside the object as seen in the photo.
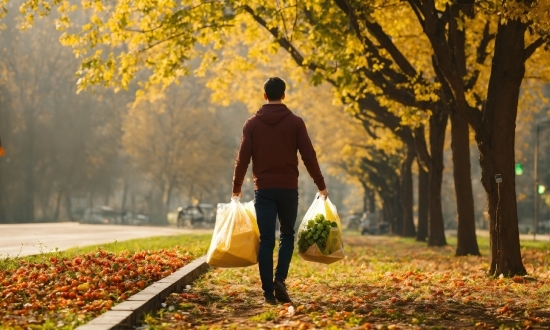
(317, 231)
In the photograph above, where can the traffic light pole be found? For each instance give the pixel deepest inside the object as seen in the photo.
(536, 179)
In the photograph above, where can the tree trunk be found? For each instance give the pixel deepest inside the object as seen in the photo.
(168, 196)
(496, 147)
(29, 167)
(107, 197)
(372, 202)
(460, 145)
(69, 206)
(5, 107)
(2, 198)
(460, 141)
(133, 200)
(123, 204)
(436, 227)
(57, 206)
(91, 199)
(397, 205)
(423, 204)
(407, 188)
(388, 210)
(365, 196)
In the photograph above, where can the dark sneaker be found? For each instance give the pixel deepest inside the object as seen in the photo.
(271, 300)
(280, 292)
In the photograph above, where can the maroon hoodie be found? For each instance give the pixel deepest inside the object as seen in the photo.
(272, 138)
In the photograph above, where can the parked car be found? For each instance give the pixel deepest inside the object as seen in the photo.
(199, 215)
(543, 227)
(136, 219)
(371, 225)
(353, 221)
(100, 215)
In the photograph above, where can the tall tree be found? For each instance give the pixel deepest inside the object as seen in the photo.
(369, 51)
(174, 140)
(494, 122)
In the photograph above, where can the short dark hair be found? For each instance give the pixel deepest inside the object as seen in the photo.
(274, 88)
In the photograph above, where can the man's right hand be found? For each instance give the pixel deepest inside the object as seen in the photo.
(324, 192)
(239, 194)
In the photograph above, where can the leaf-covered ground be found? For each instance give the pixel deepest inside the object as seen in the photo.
(384, 283)
(64, 290)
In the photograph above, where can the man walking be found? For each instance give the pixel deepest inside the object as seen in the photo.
(272, 138)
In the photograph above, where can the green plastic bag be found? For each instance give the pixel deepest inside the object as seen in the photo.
(320, 233)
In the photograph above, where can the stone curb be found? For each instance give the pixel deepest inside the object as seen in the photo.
(127, 314)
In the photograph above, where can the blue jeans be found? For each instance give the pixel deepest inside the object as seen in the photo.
(270, 203)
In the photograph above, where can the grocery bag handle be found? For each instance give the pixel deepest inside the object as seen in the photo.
(317, 196)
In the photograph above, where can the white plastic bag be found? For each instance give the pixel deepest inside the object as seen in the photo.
(236, 237)
(320, 233)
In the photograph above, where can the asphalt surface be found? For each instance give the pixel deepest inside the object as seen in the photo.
(30, 239)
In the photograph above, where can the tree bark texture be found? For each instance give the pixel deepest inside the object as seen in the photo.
(460, 140)
(460, 146)
(407, 188)
(496, 147)
(423, 204)
(436, 227)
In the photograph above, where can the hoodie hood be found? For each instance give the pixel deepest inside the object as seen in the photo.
(271, 114)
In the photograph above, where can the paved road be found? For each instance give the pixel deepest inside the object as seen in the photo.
(29, 239)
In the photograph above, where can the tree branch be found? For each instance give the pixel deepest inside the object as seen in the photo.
(283, 42)
(371, 51)
(283, 19)
(482, 55)
(386, 42)
(417, 8)
(422, 147)
(532, 48)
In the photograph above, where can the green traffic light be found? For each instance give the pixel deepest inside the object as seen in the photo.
(541, 189)
(519, 169)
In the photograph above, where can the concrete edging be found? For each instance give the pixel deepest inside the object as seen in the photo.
(126, 314)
